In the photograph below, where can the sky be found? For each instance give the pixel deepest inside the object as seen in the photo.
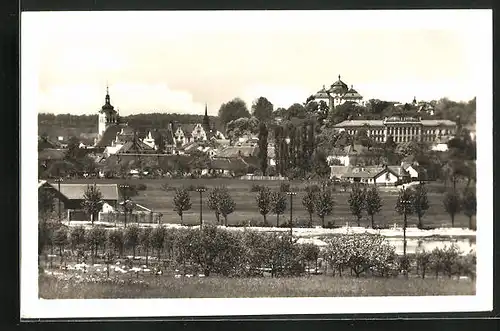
(178, 61)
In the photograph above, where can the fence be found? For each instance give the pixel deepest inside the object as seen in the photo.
(117, 217)
(252, 177)
(134, 217)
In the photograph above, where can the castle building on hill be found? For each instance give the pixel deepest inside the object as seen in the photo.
(338, 93)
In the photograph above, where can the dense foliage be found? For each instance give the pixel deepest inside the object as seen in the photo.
(215, 250)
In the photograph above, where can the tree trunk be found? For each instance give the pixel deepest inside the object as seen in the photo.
(470, 222)
(265, 219)
(159, 253)
(423, 272)
(147, 253)
(359, 221)
(452, 220)
(133, 251)
(323, 221)
(217, 217)
(181, 219)
(277, 220)
(310, 220)
(420, 225)
(372, 222)
(225, 219)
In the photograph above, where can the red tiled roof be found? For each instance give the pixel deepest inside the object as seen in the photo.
(109, 135)
(236, 151)
(136, 146)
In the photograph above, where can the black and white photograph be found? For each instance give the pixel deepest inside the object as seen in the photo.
(210, 163)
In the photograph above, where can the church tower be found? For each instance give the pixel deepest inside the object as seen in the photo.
(206, 122)
(107, 115)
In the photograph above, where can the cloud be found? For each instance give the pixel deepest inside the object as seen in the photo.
(129, 98)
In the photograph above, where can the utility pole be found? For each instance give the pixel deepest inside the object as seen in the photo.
(291, 194)
(201, 190)
(124, 189)
(58, 181)
(406, 202)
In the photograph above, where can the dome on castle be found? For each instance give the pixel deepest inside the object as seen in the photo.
(339, 87)
(352, 94)
(321, 94)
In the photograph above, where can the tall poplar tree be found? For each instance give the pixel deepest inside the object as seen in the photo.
(263, 134)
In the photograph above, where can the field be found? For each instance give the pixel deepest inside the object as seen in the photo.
(217, 287)
(161, 201)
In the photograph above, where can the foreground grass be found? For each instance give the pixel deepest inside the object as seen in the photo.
(217, 287)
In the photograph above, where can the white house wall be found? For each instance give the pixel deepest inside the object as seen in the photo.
(382, 179)
(413, 173)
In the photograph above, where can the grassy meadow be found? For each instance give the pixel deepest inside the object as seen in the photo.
(155, 198)
(220, 287)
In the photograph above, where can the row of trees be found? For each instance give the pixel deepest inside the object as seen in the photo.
(249, 253)
(320, 201)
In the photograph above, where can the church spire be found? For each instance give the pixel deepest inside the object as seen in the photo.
(108, 102)
(206, 120)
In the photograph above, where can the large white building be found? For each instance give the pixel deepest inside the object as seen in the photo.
(400, 128)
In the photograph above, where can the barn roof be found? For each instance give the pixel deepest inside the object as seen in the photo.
(77, 191)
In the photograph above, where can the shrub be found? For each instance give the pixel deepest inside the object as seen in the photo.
(466, 265)
(96, 237)
(446, 260)
(312, 188)
(283, 255)
(256, 188)
(132, 238)
(284, 187)
(77, 237)
(361, 253)
(423, 261)
(255, 253)
(116, 241)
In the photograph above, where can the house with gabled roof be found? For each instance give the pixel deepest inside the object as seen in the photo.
(385, 175)
(136, 146)
(72, 195)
